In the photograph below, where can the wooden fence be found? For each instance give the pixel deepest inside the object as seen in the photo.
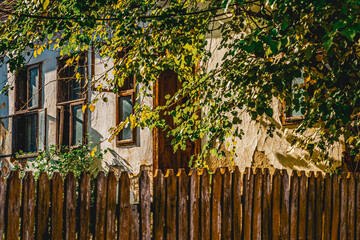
(224, 205)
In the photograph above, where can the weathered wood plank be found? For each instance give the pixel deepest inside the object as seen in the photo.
(28, 207)
(42, 207)
(182, 205)
(194, 204)
(236, 202)
(319, 206)
(145, 205)
(134, 223)
(171, 202)
(13, 206)
(100, 206)
(311, 207)
(205, 211)
(57, 206)
(302, 205)
(352, 207)
(343, 206)
(285, 206)
(84, 206)
(266, 209)
(276, 201)
(216, 205)
(327, 207)
(357, 177)
(257, 209)
(110, 205)
(70, 207)
(294, 204)
(2, 205)
(335, 208)
(226, 215)
(248, 181)
(124, 207)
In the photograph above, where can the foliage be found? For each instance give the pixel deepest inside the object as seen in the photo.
(80, 159)
(266, 43)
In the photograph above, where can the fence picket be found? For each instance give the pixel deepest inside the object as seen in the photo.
(357, 230)
(285, 206)
(258, 182)
(84, 206)
(236, 203)
(182, 206)
(294, 204)
(205, 205)
(216, 186)
(351, 207)
(2, 205)
(194, 197)
(302, 205)
(159, 205)
(319, 205)
(327, 207)
(145, 205)
(311, 207)
(276, 201)
(124, 207)
(57, 204)
(335, 208)
(13, 206)
(226, 216)
(110, 205)
(43, 207)
(343, 206)
(100, 206)
(28, 207)
(171, 202)
(134, 223)
(70, 206)
(248, 186)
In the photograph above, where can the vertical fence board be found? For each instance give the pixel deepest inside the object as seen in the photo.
(311, 207)
(236, 202)
(294, 205)
(285, 206)
(357, 230)
(124, 207)
(84, 206)
(226, 215)
(57, 204)
(351, 207)
(110, 205)
(145, 205)
(13, 206)
(43, 205)
(216, 205)
(335, 208)
(258, 182)
(134, 223)
(100, 206)
(319, 205)
(248, 181)
(194, 197)
(170, 204)
(302, 205)
(343, 206)
(70, 206)
(2, 205)
(28, 207)
(182, 205)
(159, 205)
(276, 201)
(266, 207)
(327, 207)
(205, 205)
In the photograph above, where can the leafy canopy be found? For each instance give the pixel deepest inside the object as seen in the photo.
(267, 44)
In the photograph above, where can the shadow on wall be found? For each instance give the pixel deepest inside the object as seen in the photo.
(290, 162)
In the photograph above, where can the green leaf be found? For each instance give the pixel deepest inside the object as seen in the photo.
(349, 33)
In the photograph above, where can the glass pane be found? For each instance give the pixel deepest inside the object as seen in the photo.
(76, 86)
(125, 111)
(296, 91)
(31, 122)
(42, 127)
(34, 87)
(77, 125)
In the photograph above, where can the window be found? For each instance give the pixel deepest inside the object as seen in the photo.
(124, 108)
(292, 114)
(28, 89)
(71, 96)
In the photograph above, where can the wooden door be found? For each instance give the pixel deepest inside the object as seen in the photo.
(164, 156)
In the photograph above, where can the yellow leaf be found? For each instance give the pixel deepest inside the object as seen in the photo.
(92, 153)
(91, 107)
(84, 108)
(35, 55)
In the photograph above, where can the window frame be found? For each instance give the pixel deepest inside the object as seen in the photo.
(124, 93)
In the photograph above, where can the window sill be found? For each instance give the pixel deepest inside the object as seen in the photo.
(29, 155)
(292, 120)
(123, 143)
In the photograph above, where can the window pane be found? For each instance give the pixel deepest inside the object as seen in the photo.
(125, 111)
(31, 127)
(42, 127)
(296, 93)
(34, 87)
(77, 125)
